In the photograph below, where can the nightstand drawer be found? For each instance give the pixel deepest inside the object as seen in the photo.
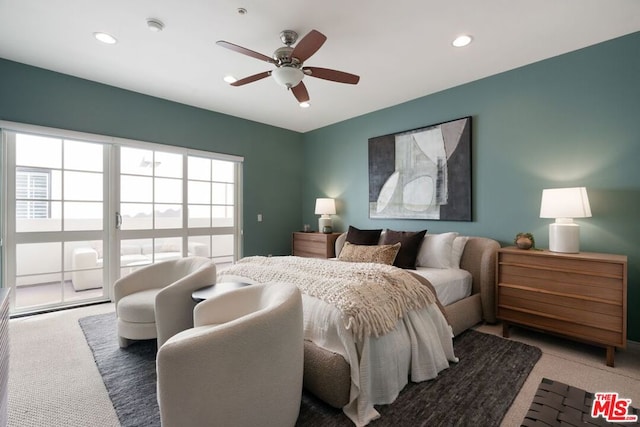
(310, 237)
(309, 248)
(314, 245)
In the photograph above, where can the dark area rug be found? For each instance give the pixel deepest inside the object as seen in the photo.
(129, 374)
(556, 404)
(477, 391)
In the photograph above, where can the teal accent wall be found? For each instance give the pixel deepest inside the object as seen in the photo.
(571, 120)
(272, 167)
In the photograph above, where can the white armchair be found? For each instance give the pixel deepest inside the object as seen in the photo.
(155, 301)
(240, 365)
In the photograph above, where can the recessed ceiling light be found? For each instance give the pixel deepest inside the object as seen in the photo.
(462, 41)
(304, 105)
(105, 38)
(230, 79)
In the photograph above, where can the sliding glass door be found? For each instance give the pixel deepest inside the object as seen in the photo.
(174, 205)
(80, 213)
(55, 210)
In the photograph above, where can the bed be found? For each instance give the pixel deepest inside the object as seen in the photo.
(357, 373)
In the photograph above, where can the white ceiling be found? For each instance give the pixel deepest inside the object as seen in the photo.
(401, 49)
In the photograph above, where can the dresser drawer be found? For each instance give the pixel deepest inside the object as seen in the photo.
(565, 282)
(590, 265)
(593, 313)
(568, 329)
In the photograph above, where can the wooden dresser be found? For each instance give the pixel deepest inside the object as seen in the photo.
(314, 245)
(581, 296)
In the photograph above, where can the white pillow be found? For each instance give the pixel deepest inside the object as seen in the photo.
(436, 251)
(456, 250)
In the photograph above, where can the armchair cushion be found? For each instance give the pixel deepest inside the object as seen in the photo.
(138, 307)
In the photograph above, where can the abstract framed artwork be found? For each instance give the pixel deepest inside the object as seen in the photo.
(423, 173)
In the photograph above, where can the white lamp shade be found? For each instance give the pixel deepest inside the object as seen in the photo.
(565, 203)
(287, 76)
(325, 206)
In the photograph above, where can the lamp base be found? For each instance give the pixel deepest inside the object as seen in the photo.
(324, 222)
(564, 237)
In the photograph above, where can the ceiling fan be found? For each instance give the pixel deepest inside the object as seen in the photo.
(289, 61)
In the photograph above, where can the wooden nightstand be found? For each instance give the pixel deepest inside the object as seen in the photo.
(314, 245)
(581, 296)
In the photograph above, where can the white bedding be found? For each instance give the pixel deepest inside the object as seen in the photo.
(418, 348)
(451, 284)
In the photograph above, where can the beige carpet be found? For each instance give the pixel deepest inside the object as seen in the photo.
(54, 382)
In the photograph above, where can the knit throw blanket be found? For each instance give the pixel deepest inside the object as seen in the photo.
(372, 297)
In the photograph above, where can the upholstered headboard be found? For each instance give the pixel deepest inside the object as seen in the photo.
(479, 259)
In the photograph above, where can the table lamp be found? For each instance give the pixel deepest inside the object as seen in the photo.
(564, 204)
(324, 208)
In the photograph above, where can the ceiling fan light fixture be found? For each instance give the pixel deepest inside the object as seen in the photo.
(230, 79)
(289, 71)
(462, 40)
(287, 76)
(155, 25)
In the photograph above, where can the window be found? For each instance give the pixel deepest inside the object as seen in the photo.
(211, 187)
(82, 210)
(33, 193)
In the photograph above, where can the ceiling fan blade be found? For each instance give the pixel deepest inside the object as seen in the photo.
(333, 75)
(300, 92)
(245, 51)
(308, 45)
(251, 79)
